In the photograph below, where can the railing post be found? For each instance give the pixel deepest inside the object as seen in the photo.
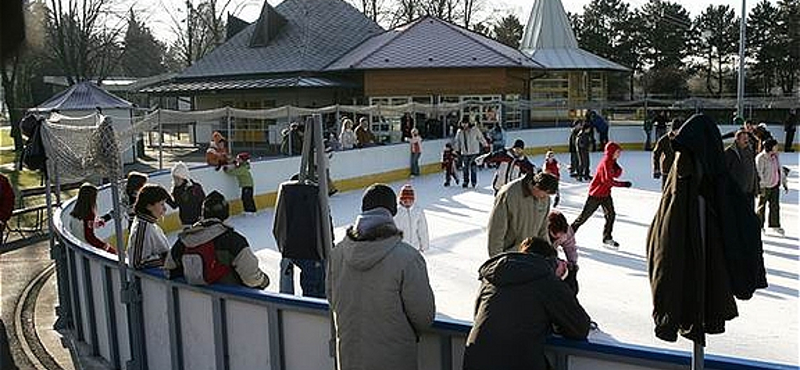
(131, 295)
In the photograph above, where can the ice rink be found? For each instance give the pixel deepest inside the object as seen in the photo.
(614, 287)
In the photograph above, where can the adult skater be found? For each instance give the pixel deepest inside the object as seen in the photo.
(574, 159)
(511, 164)
(521, 302)
(790, 127)
(664, 154)
(520, 211)
(468, 143)
(378, 290)
(600, 192)
(741, 164)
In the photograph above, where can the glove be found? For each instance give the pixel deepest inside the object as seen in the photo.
(656, 175)
(626, 184)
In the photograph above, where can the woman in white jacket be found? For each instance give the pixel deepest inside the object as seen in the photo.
(147, 244)
(411, 220)
(347, 138)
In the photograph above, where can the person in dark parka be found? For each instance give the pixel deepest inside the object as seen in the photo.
(685, 244)
(520, 302)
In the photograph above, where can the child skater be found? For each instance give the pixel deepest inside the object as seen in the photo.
(241, 169)
(411, 220)
(449, 158)
(600, 192)
(561, 235)
(551, 166)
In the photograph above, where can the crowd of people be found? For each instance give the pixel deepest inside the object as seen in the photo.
(527, 292)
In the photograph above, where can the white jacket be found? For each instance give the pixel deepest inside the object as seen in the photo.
(766, 166)
(347, 139)
(147, 244)
(412, 222)
(469, 141)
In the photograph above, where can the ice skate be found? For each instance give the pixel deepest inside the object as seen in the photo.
(611, 244)
(777, 231)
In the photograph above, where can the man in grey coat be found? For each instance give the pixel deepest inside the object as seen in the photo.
(741, 164)
(378, 290)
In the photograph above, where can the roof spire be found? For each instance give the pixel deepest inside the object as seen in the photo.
(267, 27)
(548, 28)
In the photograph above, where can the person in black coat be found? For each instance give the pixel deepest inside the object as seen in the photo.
(521, 302)
(692, 261)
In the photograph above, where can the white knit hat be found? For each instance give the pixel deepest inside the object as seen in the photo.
(180, 170)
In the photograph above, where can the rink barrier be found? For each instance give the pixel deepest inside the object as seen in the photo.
(231, 327)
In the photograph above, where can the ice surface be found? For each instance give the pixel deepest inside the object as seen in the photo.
(614, 287)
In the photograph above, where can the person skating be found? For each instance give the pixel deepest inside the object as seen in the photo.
(574, 159)
(584, 145)
(468, 143)
(552, 167)
(600, 192)
(411, 220)
(520, 211)
(449, 159)
(771, 178)
(741, 164)
(415, 146)
(511, 164)
(790, 127)
(187, 195)
(241, 170)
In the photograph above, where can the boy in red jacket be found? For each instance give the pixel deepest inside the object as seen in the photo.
(600, 192)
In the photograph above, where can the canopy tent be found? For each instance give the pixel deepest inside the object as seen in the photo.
(85, 98)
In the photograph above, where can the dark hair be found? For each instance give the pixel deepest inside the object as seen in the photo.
(537, 245)
(150, 194)
(215, 206)
(134, 183)
(556, 223)
(769, 144)
(87, 200)
(546, 182)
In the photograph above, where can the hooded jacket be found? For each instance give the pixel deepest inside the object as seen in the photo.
(381, 299)
(519, 303)
(230, 247)
(607, 172)
(688, 254)
(516, 215)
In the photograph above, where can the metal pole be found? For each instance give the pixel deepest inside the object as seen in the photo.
(742, 41)
(230, 133)
(698, 357)
(160, 142)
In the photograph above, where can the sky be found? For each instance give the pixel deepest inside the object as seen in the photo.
(160, 22)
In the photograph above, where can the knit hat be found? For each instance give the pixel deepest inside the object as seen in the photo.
(243, 156)
(180, 170)
(215, 206)
(549, 154)
(519, 144)
(379, 195)
(407, 193)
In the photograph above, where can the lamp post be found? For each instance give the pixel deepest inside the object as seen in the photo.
(740, 85)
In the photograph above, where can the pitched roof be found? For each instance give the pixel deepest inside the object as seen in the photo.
(82, 96)
(268, 26)
(246, 84)
(550, 41)
(316, 33)
(429, 42)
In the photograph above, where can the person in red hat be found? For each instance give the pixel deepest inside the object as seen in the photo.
(241, 169)
(411, 220)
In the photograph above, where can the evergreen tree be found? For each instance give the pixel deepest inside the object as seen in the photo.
(763, 47)
(666, 32)
(508, 30)
(789, 41)
(718, 29)
(143, 54)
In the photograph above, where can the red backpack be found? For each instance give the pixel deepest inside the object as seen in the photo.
(200, 264)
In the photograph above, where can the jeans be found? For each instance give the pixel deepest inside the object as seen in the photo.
(771, 196)
(247, 199)
(468, 169)
(588, 209)
(312, 277)
(415, 163)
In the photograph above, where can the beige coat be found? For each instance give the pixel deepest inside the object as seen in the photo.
(516, 215)
(381, 299)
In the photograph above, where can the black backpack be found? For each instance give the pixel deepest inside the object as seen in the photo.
(33, 156)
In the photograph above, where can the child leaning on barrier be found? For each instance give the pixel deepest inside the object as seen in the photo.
(241, 169)
(561, 235)
(449, 159)
(147, 244)
(84, 220)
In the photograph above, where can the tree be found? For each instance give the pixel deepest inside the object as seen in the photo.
(143, 54)
(764, 45)
(665, 32)
(789, 42)
(508, 30)
(718, 28)
(83, 39)
(668, 81)
(202, 29)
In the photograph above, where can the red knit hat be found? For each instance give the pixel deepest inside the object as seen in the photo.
(407, 193)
